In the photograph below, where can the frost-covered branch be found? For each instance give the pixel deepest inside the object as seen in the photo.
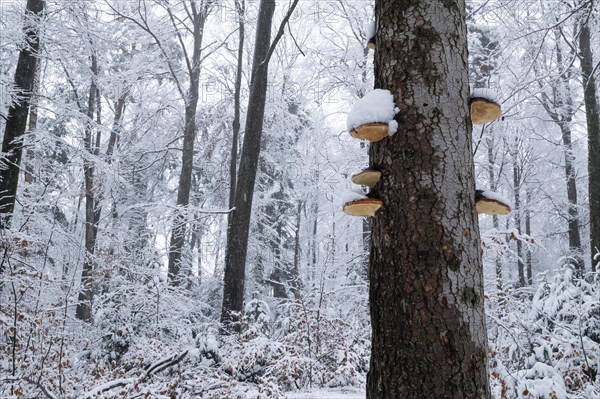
(163, 364)
(153, 369)
(279, 33)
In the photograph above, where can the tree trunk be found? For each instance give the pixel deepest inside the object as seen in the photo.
(494, 187)
(279, 275)
(426, 283)
(295, 280)
(33, 120)
(560, 108)
(573, 212)
(240, 7)
(592, 115)
(314, 210)
(237, 240)
(187, 157)
(517, 211)
(115, 132)
(86, 293)
(29, 177)
(528, 232)
(140, 235)
(16, 122)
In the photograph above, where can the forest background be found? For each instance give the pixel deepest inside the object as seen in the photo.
(112, 279)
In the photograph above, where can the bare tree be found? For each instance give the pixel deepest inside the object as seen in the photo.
(559, 105)
(199, 13)
(239, 222)
(16, 121)
(240, 6)
(86, 292)
(592, 115)
(518, 166)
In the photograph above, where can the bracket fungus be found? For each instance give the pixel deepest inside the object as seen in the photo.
(372, 117)
(363, 207)
(491, 203)
(357, 204)
(370, 131)
(367, 177)
(484, 107)
(371, 43)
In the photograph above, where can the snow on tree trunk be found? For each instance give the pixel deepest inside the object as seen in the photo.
(592, 114)
(86, 292)
(178, 231)
(426, 289)
(237, 237)
(16, 122)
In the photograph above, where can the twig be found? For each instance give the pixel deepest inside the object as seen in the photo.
(44, 390)
(279, 33)
(295, 42)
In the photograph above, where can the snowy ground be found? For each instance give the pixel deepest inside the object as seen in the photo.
(327, 394)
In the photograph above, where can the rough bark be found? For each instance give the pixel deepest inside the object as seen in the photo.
(16, 122)
(237, 240)
(187, 157)
(426, 289)
(592, 115)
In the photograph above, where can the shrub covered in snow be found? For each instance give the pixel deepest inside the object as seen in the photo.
(549, 350)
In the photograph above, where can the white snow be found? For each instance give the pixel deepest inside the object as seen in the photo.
(353, 195)
(370, 30)
(488, 94)
(375, 106)
(496, 197)
(542, 381)
(107, 386)
(326, 394)
(393, 127)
